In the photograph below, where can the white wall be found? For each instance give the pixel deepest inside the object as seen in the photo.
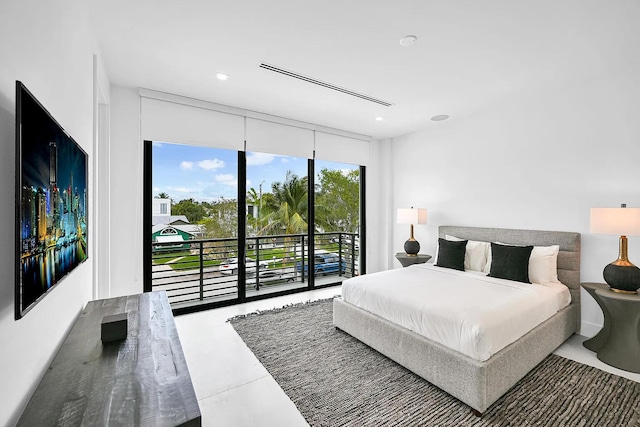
(538, 160)
(157, 206)
(126, 192)
(49, 47)
(379, 185)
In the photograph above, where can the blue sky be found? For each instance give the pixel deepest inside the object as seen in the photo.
(207, 174)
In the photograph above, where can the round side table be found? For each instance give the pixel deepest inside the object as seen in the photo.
(622, 348)
(407, 260)
(600, 339)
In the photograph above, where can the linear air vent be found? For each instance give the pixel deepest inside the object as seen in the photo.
(324, 84)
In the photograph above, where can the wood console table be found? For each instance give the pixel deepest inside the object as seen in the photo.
(141, 381)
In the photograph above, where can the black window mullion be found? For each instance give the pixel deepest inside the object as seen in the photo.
(363, 221)
(242, 225)
(311, 220)
(147, 196)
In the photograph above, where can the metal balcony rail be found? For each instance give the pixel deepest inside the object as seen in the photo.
(199, 270)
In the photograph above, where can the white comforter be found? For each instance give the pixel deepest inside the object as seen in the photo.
(465, 311)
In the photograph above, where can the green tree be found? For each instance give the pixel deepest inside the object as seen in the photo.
(253, 197)
(221, 218)
(162, 195)
(287, 208)
(338, 200)
(190, 208)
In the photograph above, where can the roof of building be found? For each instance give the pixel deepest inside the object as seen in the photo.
(189, 228)
(168, 219)
(192, 229)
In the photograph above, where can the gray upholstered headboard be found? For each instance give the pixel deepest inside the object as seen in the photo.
(568, 257)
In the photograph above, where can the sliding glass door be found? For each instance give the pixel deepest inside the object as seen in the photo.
(337, 221)
(225, 226)
(194, 235)
(277, 223)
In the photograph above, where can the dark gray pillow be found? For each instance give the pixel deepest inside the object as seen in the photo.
(510, 262)
(451, 254)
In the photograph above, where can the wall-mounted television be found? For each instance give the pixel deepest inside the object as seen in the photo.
(51, 202)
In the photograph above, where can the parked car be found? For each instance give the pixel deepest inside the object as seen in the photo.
(324, 263)
(230, 265)
(346, 240)
(356, 242)
(271, 276)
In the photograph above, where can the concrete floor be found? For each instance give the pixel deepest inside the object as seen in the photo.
(234, 389)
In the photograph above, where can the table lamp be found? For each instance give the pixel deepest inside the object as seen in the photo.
(621, 275)
(412, 216)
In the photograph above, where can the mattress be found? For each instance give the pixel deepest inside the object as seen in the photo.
(467, 312)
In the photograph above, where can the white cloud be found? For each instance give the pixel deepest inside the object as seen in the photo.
(211, 164)
(156, 189)
(156, 144)
(226, 179)
(259, 159)
(182, 189)
(186, 165)
(284, 160)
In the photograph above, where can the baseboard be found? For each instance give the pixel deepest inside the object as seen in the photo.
(589, 329)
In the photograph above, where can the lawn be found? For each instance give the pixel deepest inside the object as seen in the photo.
(185, 260)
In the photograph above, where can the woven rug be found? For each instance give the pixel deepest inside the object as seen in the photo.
(335, 380)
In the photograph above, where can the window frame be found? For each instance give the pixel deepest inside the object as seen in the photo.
(241, 296)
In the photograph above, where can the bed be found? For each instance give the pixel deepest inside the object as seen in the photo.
(478, 383)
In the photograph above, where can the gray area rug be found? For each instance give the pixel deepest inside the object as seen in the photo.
(335, 380)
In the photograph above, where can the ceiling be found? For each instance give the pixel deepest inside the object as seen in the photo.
(469, 54)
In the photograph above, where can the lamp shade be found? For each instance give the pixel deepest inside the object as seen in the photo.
(618, 221)
(412, 216)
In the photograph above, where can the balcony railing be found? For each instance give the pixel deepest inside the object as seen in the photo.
(204, 270)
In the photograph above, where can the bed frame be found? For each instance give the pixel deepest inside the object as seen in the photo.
(476, 383)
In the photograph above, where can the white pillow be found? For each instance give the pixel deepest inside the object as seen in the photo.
(475, 254)
(543, 263)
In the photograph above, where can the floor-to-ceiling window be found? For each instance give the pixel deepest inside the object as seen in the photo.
(229, 226)
(277, 222)
(337, 220)
(197, 241)
(194, 235)
(233, 206)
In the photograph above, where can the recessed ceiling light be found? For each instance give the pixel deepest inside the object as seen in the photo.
(439, 118)
(408, 40)
(379, 119)
(221, 76)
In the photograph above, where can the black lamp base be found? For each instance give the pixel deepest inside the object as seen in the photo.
(622, 278)
(412, 247)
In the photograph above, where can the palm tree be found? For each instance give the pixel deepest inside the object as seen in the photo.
(288, 208)
(253, 198)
